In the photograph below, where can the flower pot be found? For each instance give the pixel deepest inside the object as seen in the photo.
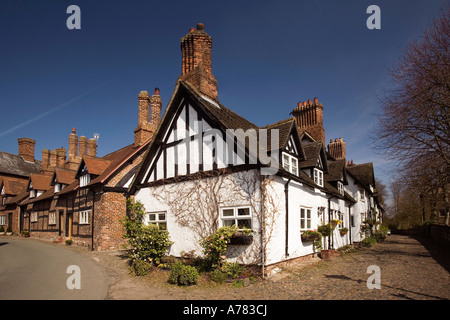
(9, 233)
(326, 254)
(343, 233)
(309, 238)
(333, 224)
(241, 239)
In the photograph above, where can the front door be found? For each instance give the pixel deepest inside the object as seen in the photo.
(61, 225)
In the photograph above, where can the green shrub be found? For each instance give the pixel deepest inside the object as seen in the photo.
(215, 245)
(183, 275)
(140, 268)
(368, 242)
(218, 276)
(233, 270)
(148, 243)
(68, 242)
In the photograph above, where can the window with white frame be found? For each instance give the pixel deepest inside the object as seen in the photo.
(32, 193)
(305, 219)
(340, 186)
(362, 195)
(2, 220)
(341, 218)
(318, 177)
(290, 164)
(52, 218)
(4, 200)
(57, 187)
(239, 216)
(34, 216)
(158, 218)
(85, 179)
(84, 217)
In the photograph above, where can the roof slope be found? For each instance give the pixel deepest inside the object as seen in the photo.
(15, 165)
(363, 173)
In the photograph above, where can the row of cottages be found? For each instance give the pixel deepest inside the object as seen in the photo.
(81, 197)
(208, 167)
(199, 167)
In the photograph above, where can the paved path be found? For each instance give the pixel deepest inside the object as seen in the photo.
(31, 269)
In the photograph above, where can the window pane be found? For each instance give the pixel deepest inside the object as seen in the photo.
(302, 224)
(162, 216)
(243, 211)
(308, 214)
(152, 217)
(308, 224)
(163, 225)
(244, 223)
(302, 213)
(227, 212)
(228, 223)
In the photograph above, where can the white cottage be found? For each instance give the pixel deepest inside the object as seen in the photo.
(208, 167)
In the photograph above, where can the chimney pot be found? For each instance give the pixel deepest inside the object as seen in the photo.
(309, 101)
(157, 91)
(191, 30)
(304, 103)
(316, 100)
(200, 26)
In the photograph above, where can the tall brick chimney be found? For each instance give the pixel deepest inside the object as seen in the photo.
(73, 144)
(309, 118)
(60, 157)
(336, 148)
(196, 61)
(45, 161)
(143, 130)
(83, 145)
(26, 148)
(156, 106)
(92, 147)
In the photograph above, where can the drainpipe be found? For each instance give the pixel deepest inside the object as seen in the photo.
(329, 219)
(262, 224)
(92, 220)
(286, 196)
(350, 223)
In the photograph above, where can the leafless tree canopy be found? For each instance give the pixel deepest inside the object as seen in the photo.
(414, 127)
(415, 121)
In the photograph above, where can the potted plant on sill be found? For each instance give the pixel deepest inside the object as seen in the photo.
(343, 231)
(311, 235)
(2, 230)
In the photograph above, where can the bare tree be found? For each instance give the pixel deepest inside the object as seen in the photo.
(414, 128)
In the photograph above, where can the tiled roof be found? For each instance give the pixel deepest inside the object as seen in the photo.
(64, 176)
(312, 154)
(363, 173)
(16, 165)
(14, 186)
(335, 170)
(40, 181)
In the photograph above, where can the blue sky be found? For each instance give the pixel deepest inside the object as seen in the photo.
(267, 56)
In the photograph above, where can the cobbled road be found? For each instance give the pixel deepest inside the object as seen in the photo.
(409, 270)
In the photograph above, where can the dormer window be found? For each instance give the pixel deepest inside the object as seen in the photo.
(58, 187)
(340, 187)
(85, 179)
(318, 177)
(32, 193)
(290, 164)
